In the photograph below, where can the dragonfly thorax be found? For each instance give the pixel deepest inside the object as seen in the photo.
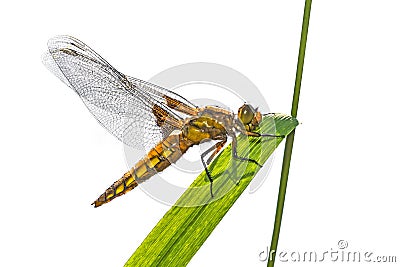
(202, 128)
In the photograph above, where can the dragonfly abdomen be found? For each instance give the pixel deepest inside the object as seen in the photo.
(158, 159)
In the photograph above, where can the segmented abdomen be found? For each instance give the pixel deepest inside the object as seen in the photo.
(160, 157)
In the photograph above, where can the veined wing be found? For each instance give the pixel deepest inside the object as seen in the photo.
(138, 113)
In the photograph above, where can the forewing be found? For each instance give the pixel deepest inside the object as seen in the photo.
(123, 108)
(166, 97)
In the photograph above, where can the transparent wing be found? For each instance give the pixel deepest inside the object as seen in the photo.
(138, 113)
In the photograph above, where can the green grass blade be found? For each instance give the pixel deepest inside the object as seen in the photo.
(290, 139)
(185, 227)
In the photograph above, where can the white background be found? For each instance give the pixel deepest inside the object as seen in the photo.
(56, 159)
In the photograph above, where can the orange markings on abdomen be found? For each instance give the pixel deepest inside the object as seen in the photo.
(158, 159)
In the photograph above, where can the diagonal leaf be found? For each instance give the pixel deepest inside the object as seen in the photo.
(185, 227)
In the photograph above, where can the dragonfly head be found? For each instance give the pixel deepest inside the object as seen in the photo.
(249, 116)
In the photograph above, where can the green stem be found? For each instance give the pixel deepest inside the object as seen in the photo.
(290, 138)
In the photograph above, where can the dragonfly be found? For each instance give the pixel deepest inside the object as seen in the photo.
(142, 114)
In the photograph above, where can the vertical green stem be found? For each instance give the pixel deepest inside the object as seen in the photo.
(290, 138)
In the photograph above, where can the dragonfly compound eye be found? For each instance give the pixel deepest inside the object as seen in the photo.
(246, 113)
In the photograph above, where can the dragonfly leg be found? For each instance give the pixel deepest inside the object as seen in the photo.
(235, 155)
(217, 147)
(269, 113)
(253, 134)
(264, 135)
